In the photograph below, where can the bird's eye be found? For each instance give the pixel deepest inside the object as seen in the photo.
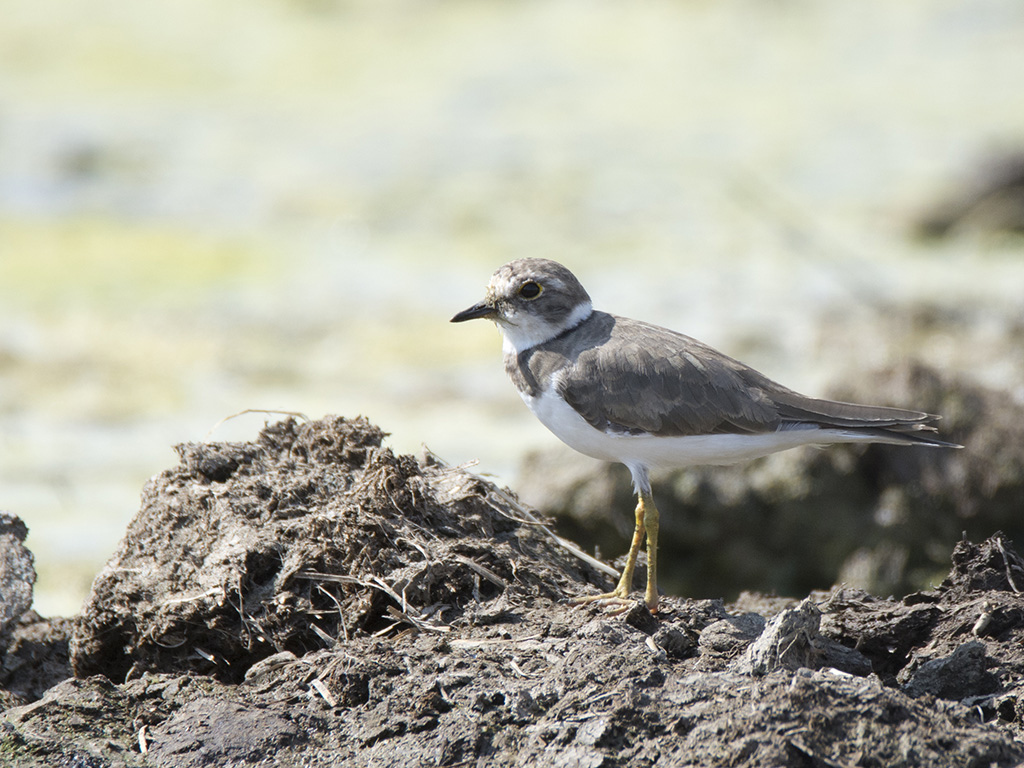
(530, 290)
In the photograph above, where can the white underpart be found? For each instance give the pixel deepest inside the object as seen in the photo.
(642, 452)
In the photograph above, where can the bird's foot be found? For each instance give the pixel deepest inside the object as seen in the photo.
(618, 600)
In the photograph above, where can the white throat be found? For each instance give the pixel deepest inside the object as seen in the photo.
(526, 330)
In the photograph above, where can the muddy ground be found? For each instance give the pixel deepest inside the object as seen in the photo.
(312, 599)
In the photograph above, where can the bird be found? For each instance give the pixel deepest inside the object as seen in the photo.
(631, 392)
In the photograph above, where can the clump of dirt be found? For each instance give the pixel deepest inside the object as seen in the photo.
(314, 532)
(312, 599)
(35, 660)
(17, 573)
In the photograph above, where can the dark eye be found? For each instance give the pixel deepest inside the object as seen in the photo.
(530, 290)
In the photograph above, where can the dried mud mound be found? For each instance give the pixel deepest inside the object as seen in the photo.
(17, 573)
(313, 532)
(312, 599)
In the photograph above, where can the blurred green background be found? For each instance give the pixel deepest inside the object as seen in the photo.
(207, 207)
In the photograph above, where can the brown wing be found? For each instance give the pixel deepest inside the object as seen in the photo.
(673, 385)
(662, 382)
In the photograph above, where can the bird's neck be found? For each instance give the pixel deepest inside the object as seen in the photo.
(529, 330)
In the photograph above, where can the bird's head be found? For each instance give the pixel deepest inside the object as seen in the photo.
(531, 301)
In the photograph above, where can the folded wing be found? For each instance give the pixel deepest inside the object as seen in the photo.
(653, 380)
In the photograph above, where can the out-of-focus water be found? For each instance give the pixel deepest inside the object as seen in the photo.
(211, 207)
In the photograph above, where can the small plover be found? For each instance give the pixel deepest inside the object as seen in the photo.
(626, 391)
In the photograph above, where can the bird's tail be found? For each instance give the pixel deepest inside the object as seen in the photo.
(871, 423)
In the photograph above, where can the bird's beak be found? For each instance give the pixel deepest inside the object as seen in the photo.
(483, 309)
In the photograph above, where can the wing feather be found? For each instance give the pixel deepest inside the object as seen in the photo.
(653, 380)
(669, 385)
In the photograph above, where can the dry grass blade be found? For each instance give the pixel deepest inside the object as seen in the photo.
(417, 622)
(487, 573)
(404, 614)
(328, 640)
(318, 686)
(1006, 564)
(525, 517)
(226, 419)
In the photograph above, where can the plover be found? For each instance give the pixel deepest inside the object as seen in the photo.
(626, 391)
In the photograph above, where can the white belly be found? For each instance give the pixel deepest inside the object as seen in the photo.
(671, 452)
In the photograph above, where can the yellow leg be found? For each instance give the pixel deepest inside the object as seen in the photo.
(646, 522)
(626, 579)
(651, 526)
